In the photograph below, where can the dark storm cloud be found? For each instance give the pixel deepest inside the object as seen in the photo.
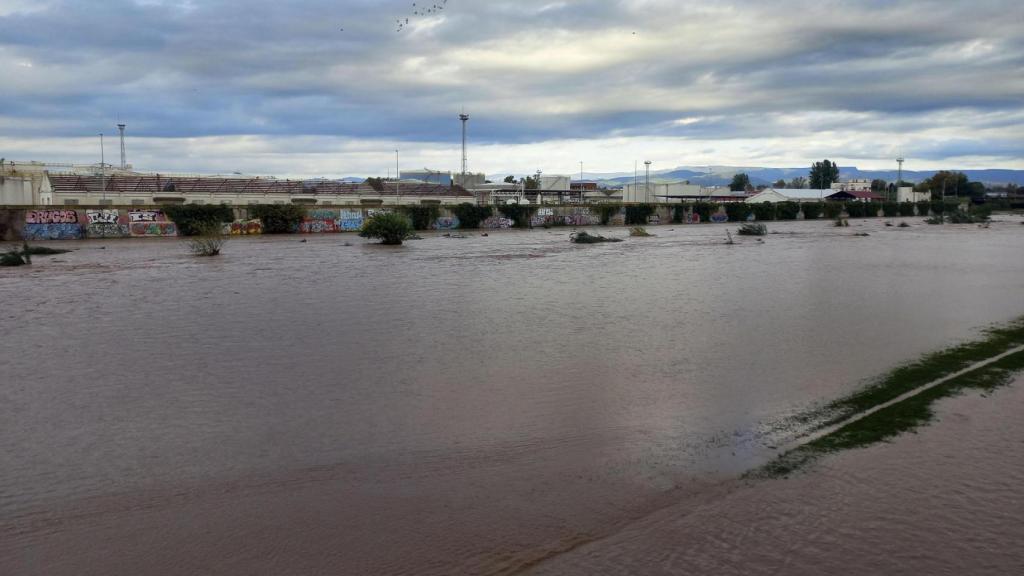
(528, 70)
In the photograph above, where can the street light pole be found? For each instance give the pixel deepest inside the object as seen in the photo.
(103, 170)
(647, 181)
(581, 181)
(398, 181)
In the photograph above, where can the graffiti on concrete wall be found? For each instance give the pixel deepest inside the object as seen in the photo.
(150, 223)
(52, 232)
(371, 212)
(446, 223)
(51, 225)
(154, 229)
(543, 217)
(51, 217)
(244, 227)
(497, 223)
(317, 222)
(350, 220)
(581, 217)
(146, 216)
(105, 224)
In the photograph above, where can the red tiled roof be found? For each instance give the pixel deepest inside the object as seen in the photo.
(157, 184)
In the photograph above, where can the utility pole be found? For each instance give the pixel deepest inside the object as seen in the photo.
(634, 181)
(899, 177)
(540, 195)
(464, 118)
(124, 157)
(103, 170)
(647, 181)
(398, 180)
(581, 181)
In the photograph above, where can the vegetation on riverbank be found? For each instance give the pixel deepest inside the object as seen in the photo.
(911, 412)
(22, 257)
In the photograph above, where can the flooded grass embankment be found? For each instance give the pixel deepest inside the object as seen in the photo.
(880, 411)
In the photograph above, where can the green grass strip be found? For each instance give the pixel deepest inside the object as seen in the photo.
(902, 416)
(927, 369)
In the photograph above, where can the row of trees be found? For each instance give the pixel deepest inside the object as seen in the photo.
(823, 174)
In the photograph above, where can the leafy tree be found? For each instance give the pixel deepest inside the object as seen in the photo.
(194, 219)
(510, 179)
(422, 216)
(780, 183)
(798, 182)
(879, 185)
(470, 215)
(945, 182)
(278, 218)
(390, 227)
(532, 183)
(375, 183)
(823, 174)
(740, 182)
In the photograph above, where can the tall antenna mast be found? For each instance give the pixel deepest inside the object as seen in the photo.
(465, 118)
(124, 158)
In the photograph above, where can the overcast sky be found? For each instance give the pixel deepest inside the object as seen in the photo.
(332, 88)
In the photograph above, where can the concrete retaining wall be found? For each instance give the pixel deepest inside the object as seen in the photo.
(81, 222)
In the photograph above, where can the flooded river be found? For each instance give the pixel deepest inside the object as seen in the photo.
(323, 405)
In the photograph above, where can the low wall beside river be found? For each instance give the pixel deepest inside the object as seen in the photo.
(89, 222)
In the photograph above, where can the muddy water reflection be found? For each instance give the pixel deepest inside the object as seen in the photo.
(471, 403)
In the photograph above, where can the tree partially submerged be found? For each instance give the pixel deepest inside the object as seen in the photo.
(390, 228)
(208, 239)
(585, 238)
(752, 229)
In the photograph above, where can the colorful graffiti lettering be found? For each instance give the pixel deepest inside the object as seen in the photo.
(320, 215)
(371, 212)
(317, 226)
(154, 229)
(102, 216)
(719, 218)
(51, 217)
(145, 216)
(498, 223)
(581, 217)
(446, 223)
(107, 230)
(350, 220)
(654, 219)
(52, 232)
(244, 227)
(105, 224)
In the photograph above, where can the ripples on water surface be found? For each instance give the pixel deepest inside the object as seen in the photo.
(455, 404)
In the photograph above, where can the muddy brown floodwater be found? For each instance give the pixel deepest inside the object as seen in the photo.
(477, 405)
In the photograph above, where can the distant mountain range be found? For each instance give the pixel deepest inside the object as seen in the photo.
(722, 175)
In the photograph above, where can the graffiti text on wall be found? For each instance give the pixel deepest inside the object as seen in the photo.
(145, 216)
(105, 224)
(51, 217)
(52, 232)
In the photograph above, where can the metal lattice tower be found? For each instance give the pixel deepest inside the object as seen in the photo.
(124, 157)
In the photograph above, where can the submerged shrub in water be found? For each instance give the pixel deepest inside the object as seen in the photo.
(585, 238)
(752, 229)
(208, 240)
(390, 228)
(639, 232)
